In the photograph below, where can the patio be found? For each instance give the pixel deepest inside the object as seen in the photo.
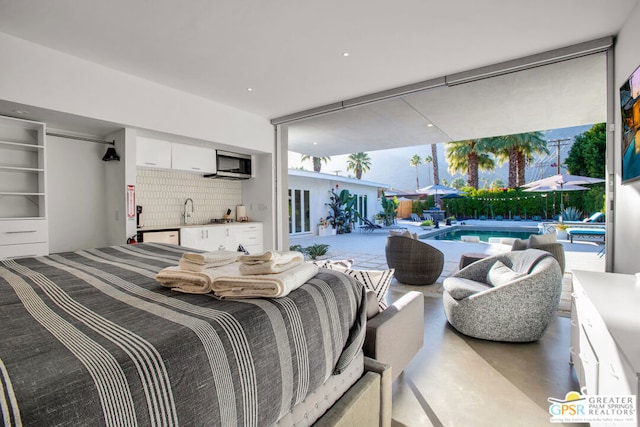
(367, 251)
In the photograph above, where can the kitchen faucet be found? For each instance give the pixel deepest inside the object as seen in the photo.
(187, 215)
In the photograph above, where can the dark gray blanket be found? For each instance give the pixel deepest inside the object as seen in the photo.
(90, 338)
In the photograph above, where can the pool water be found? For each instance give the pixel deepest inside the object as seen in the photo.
(484, 235)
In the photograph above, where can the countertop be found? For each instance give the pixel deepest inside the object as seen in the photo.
(177, 227)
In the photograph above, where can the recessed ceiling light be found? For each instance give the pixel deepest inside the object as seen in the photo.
(345, 54)
(20, 112)
(315, 143)
(249, 89)
(430, 125)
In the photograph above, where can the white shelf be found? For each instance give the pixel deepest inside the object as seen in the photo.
(20, 169)
(21, 145)
(22, 188)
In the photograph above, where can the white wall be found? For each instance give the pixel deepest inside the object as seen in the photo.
(76, 200)
(627, 199)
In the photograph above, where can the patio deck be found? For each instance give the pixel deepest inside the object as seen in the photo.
(367, 251)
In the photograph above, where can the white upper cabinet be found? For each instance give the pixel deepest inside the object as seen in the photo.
(193, 158)
(153, 153)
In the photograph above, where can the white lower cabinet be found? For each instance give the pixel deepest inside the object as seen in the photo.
(208, 238)
(605, 335)
(24, 238)
(223, 236)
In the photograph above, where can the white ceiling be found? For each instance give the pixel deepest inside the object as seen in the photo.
(290, 52)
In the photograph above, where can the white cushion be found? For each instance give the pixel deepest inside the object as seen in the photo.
(405, 233)
(499, 274)
(542, 239)
(377, 281)
(473, 239)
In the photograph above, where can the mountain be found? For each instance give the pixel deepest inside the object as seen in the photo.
(392, 167)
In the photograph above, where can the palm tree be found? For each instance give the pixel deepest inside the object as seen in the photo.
(458, 183)
(359, 163)
(317, 161)
(530, 143)
(434, 156)
(416, 161)
(518, 149)
(469, 156)
(428, 159)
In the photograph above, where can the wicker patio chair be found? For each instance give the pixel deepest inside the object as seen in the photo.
(415, 262)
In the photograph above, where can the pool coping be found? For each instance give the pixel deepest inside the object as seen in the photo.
(478, 227)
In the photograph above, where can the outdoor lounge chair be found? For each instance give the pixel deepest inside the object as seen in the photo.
(415, 262)
(368, 226)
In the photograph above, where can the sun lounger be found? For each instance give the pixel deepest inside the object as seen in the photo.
(586, 233)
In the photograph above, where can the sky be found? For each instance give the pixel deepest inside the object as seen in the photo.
(392, 167)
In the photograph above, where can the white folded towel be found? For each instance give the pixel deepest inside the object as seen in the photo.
(200, 261)
(267, 285)
(194, 282)
(278, 264)
(267, 256)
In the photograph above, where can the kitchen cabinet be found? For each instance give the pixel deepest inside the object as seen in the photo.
(193, 158)
(23, 213)
(206, 238)
(153, 153)
(223, 236)
(605, 349)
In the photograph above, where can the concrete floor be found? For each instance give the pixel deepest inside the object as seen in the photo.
(456, 380)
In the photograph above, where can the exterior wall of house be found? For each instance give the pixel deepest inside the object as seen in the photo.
(319, 186)
(627, 197)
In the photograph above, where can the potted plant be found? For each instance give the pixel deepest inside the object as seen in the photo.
(427, 224)
(325, 228)
(561, 229)
(451, 220)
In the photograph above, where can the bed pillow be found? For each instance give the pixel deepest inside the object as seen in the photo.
(499, 274)
(377, 281)
(334, 264)
(542, 239)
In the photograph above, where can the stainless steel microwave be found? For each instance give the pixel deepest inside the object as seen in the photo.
(232, 165)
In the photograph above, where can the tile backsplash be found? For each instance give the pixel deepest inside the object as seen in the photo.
(162, 194)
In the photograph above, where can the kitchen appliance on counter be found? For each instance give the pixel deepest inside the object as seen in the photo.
(138, 212)
(220, 220)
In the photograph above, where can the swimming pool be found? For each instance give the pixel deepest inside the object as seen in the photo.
(482, 233)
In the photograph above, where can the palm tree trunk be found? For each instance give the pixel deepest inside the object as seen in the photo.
(417, 179)
(317, 164)
(472, 170)
(513, 168)
(358, 173)
(521, 168)
(434, 155)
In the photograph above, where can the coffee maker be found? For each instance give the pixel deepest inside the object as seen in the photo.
(138, 212)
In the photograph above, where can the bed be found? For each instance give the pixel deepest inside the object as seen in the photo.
(90, 338)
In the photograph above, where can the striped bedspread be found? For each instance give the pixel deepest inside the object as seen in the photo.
(90, 338)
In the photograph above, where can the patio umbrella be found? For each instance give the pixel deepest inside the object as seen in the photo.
(437, 189)
(563, 180)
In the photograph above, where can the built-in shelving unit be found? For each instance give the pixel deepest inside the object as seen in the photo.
(23, 207)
